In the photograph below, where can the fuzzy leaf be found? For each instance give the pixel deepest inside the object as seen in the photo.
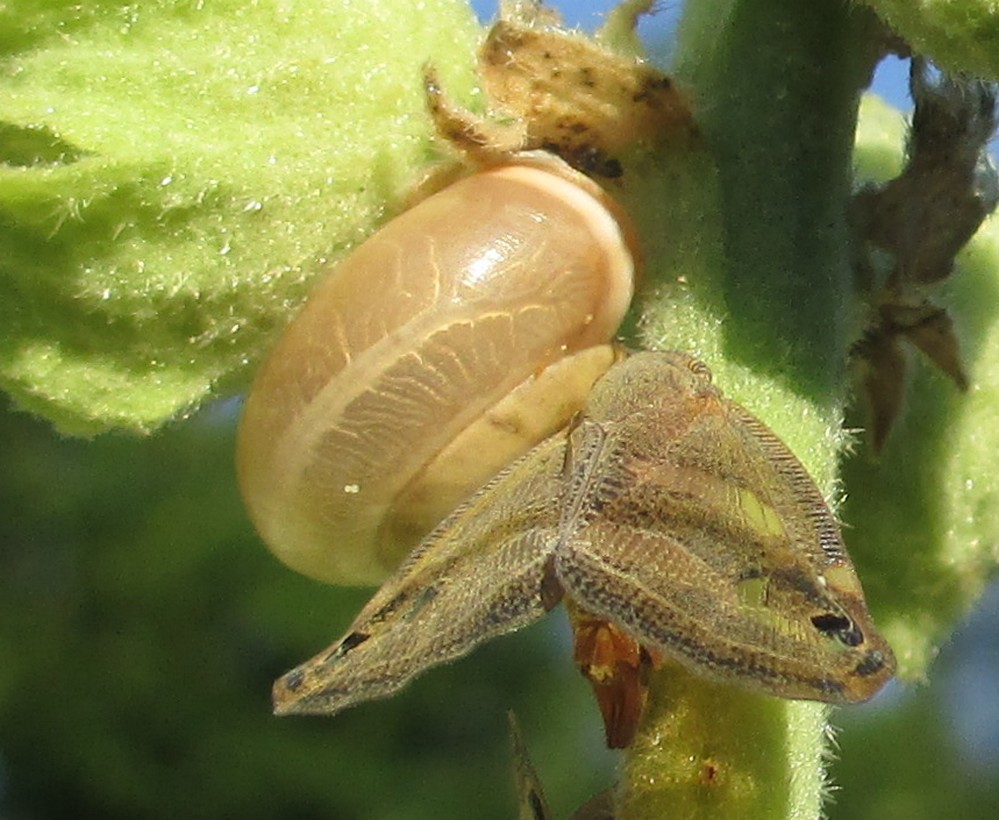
(958, 35)
(172, 177)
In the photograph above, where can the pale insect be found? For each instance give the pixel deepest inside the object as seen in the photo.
(666, 509)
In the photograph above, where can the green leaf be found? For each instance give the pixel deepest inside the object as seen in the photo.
(173, 176)
(958, 35)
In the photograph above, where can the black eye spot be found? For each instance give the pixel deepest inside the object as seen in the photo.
(839, 627)
(830, 622)
(352, 641)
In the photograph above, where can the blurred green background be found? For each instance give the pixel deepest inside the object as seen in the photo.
(142, 622)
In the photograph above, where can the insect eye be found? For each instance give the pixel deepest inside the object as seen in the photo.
(839, 627)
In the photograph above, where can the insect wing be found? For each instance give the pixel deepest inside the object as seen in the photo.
(712, 544)
(480, 574)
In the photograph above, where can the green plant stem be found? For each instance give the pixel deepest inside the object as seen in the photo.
(777, 89)
(761, 292)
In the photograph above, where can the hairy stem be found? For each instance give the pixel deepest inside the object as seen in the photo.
(753, 275)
